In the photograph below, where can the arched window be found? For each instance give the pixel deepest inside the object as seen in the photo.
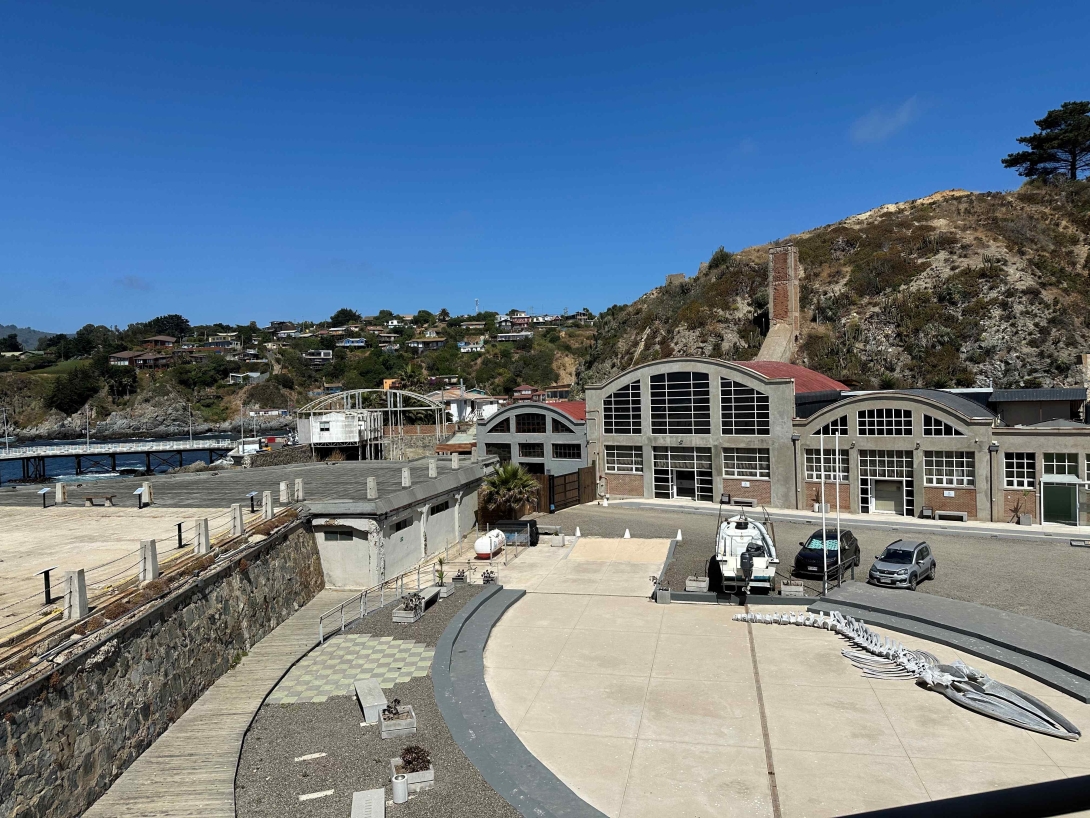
(530, 423)
(681, 404)
(933, 427)
(744, 409)
(621, 411)
(501, 428)
(836, 426)
(561, 428)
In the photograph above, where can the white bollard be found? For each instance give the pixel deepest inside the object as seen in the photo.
(299, 496)
(149, 561)
(678, 537)
(401, 788)
(454, 461)
(204, 541)
(627, 535)
(473, 455)
(372, 488)
(433, 467)
(285, 498)
(406, 477)
(146, 497)
(238, 527)
(75, 594)
(577, 532)
(266, 505)
(62, 493)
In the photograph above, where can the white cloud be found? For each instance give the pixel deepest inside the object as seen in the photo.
(883, 122)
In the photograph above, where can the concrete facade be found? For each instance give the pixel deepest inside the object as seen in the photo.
(964, 442)
(502, 430)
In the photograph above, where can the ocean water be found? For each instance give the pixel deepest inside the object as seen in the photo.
(63, 469)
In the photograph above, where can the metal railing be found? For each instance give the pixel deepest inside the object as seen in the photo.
(423, 575)
(114, 448)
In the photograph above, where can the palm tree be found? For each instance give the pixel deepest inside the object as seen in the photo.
(509, 487)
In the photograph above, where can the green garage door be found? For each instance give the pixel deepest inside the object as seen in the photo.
(1060, 503)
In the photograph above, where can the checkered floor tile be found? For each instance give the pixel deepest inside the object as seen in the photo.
(331, 669)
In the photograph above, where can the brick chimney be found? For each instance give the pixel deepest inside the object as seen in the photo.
(783, 287)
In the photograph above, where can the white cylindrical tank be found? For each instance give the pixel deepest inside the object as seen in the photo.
(490, 544)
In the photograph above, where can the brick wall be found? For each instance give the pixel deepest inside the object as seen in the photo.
(624, 485)
(1011, 499)
(811, 493)
(780, 286)
(963, 500)
(759, 490)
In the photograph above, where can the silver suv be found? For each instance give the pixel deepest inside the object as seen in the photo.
(904, 564)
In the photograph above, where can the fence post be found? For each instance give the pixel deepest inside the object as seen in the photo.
(372, 488)
(237, 525)
(284, 498)
(148, 496)
(321, 635)
(75, 594)
(299, 496)
(454, 461)
(418, 577)
(406, 477)
(204, 543)
(266, 505)
(433, 467)
(149, 561)
(342, 617)
(62, 493)
(363, 604)
(180, 543)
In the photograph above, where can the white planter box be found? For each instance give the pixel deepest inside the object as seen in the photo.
(817, 508)
(696, 584)
(418, 782)
(405, 725)
(445, 591)
(406, 617)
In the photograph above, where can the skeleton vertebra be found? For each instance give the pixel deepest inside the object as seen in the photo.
(885, 658)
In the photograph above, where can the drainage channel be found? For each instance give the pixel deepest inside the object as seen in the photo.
(773, 790)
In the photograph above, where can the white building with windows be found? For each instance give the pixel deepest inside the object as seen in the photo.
(768, 432)
(544, 438)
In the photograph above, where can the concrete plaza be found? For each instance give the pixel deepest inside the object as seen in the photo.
(646, 709)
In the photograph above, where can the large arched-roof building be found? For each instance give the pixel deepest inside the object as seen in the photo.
(544, 438)
(699, 427)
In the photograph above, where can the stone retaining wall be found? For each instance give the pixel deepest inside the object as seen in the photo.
(279, 457)
(65, 738)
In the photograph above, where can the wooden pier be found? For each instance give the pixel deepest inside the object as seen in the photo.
(103, 456)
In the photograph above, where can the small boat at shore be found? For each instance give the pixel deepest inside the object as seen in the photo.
(490, 544)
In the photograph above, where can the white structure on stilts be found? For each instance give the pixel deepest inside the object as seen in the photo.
(376, 422)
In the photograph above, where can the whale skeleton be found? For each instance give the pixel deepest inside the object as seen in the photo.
(880, 657)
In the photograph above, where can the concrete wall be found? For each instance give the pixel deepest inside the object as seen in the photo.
(67, 737)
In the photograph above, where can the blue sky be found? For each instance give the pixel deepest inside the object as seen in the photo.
(252, 161)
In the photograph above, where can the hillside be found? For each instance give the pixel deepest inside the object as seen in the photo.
(27, 337)
(956, 289)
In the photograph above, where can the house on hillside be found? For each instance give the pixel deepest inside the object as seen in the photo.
(140, 359)
(161, 341)
(318, 358)
(511, 337)
(426, 344)
(472, 344)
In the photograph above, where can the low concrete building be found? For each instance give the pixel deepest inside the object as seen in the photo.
(543, 438)
(363, 541)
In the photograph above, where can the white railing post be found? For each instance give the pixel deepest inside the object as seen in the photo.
(149, 561)
(237, 525)
(75, 594)
(285, 498)
(266, 505)
(204, 542)
(342, 617)
(321, 635)
(299, 496)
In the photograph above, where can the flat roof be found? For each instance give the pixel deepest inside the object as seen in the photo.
(1057, 394)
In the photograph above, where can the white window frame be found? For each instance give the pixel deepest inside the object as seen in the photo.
(743, 410)
(884, 422)
(885, 464)
(1060, 463)
(949, 468)
(1020, 470)
(834, 426)
(748, 464)
(622, 411)
(624, 459)
(813, 461)
(937, 427)
(681, 403)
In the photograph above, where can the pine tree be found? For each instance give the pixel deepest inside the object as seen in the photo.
(1061, 146)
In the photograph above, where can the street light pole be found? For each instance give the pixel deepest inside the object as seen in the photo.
(189, 406)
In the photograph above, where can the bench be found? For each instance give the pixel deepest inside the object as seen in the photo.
(960, 516)
(745, 501)
(107, 499)
(371, 699)
(429, 595)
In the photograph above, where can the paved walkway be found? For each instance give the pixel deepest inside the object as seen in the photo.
(593, 565)
(190, 769)
(646, 710)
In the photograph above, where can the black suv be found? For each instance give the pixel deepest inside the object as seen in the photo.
(810, 560)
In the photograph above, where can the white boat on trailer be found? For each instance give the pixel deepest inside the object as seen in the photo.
(745, 556)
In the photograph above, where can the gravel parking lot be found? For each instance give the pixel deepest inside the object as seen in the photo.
(270, 780)
(1032, 577)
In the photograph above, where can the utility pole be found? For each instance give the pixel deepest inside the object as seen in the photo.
(4, 430)
(189, 406)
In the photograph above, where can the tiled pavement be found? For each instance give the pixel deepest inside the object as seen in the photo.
(330, 669)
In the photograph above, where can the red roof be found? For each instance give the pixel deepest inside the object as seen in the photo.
(575, 409)
(806, 380)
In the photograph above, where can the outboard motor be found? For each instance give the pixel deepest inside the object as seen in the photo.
(747, 565)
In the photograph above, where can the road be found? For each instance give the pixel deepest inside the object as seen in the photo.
(1033, 577)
